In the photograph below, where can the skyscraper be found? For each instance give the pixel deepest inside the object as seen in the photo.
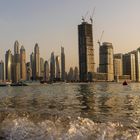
(129, 65)
(57, 68)
(70, 76)
(16, 64)
(138, 65)
(62, 64)
(52, 67)
(106, 60)
(118, 67)
(32, 61)
(86, 51)
(8, 65)
(23, 63)
(1, 70)
(37, 61)
(41, 67)
(76, 74)
(46, 71)
(28, 71)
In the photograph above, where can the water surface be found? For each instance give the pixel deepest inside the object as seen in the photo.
(70, 112)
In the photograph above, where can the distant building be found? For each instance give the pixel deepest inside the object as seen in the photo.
(46, 71)
(1, 70)
(23, 63)
(86, 51)
(36, 62)
(28, 71)
(70, 76)
(118, 67)
(41, 67)
(76, 74)
(8, 65)
(32, 61)
(57, 60)
(16, 63)
(52, 67)
(62, 64)
(106, 60)
(129, 67)
(137, 64)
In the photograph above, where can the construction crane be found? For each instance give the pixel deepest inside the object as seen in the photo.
(99, 41)
(91, 17)
(84, 17)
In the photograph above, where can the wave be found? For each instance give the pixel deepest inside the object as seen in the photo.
(22, 128)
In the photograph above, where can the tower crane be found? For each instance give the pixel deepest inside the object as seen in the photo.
(84, 17)
(99, 41)
(91, 17)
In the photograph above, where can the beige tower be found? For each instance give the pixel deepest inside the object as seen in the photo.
(23, 63)
(106, 60)
(118, 67)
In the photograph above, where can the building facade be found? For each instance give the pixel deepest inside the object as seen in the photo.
(16, 63)
(28, 71)
(129, 65)
(41, 67)
(86, 50)
(46, 71)
(118, 66)
(106, 60)
(8, 65)
(23, 63)
(57, 60)
(36, 62)
(62, 64)
(137, 64)
(1, 70)
(52, 67)
(32, 61)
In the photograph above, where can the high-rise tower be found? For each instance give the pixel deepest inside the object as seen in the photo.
(106, 60)
(41, 67)
(57, 67)
(46, 71)
(1, 70)
(8, 65)
(62, 64)
(52, 67)
(86, 51)
(23, 63)
(32, 61)
(16, 64)
(37, 61)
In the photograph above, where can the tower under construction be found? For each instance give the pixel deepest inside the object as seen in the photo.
(86, 51)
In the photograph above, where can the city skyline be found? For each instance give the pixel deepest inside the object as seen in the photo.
(45, 22)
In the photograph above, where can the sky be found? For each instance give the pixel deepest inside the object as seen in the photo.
(53, 23)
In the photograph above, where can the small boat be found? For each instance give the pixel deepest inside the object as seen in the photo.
(125, 83)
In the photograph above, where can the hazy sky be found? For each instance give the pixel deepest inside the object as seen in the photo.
(52, 23)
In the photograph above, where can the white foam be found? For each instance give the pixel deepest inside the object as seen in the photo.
(65, 129)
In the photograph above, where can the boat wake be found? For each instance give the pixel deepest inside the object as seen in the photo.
(22, 128)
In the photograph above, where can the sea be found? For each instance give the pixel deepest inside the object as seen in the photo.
(70, 111)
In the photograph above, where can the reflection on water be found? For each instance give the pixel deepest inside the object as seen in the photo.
(70, 111)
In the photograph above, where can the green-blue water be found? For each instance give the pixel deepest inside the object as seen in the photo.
(102, 111)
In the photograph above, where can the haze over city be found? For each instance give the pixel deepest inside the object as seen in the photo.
(53, 24)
